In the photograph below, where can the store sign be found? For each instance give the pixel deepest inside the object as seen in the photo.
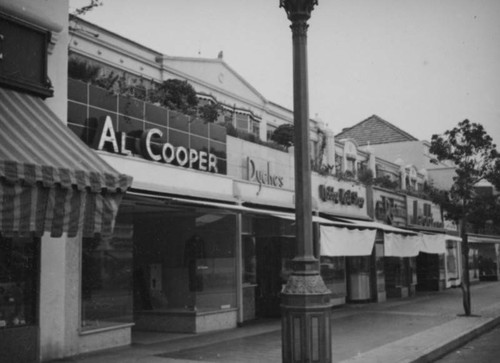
(390, 210)
(106, 137)
(424, 214)
(263, 175)
(340, 196)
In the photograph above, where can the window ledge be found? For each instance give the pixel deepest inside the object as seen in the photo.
(104, 329)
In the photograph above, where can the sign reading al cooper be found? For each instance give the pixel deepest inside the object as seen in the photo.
(151, 148)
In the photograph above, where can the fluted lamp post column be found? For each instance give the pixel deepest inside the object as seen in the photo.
(305, 300)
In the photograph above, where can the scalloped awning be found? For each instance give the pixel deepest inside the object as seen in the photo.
(50, 181)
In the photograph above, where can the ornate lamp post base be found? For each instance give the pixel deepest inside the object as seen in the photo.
(305, 317)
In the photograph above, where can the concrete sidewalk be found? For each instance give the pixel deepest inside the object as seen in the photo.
(417, 329)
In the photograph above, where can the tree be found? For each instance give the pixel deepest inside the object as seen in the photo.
(284, 135)
(472, 151)
(86, 8)
(209, 112)
(177, 95)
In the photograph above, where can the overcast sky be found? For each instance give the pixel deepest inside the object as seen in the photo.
(423, 65)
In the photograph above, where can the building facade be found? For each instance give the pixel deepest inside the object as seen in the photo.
(53, 194)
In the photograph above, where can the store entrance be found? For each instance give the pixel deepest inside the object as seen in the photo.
(19, 279)
(360, 279)
(273, 257)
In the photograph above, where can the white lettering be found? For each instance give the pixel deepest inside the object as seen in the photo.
(123, 144)
(146, 143)
(107, 135)
(168, 153)
(193, 157)
(212, 163)
(154, 149)
(203, 161)
(181, 155)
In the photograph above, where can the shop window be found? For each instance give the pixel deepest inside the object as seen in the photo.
(184, 260)
(270, 131)
(350, 165)
(256, 128)
(333, 274)
(18, 281)
(23, 64)
(338, 163)
(227, 117)
(107, 279)
(242, 122)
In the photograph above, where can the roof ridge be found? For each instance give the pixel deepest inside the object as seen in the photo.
(381, 120)
(397, 129)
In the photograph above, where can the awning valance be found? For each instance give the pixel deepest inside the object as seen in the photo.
(433, 243)
(397, 245)
(483, 239)
(49, 179)
(352, 223)
(337, 241)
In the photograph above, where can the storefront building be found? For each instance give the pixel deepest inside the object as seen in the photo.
(438, 264)
(203, 206)
(485, 256)
(399, 263)
(53, 194)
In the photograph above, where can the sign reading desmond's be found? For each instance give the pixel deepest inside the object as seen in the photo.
(341, 195)
(153, 150)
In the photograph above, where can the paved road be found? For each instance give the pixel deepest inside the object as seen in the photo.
(485, 349)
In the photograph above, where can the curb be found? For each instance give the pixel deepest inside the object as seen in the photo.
(456, 342)
(429, 345)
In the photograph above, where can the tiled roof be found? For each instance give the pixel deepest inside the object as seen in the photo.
(375, 130)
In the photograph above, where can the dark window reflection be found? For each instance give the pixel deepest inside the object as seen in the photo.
(18, 278)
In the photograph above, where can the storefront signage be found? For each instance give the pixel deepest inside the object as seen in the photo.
(342, 196)
(263, 176)
(165, 152)
(390, 210)
(422, 214)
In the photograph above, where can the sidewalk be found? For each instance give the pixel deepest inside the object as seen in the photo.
(417, 329)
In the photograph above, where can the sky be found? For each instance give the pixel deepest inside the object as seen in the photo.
(423, 65)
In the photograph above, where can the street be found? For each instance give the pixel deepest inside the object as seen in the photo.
(484, 349)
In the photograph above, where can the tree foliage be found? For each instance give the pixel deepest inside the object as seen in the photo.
(209, 112)
(475, 157)
(472, 151)
(86, 8)
(177, 95)
(284, 135)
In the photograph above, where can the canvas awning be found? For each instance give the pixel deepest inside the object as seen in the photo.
(49, 179)
(337, 241)
(433, 243)
(396, 245)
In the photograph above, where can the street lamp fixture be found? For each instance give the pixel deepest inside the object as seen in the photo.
(305, 300)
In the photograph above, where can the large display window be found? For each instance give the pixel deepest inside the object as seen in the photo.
(107, 279)
(18, 281)
(184, 259)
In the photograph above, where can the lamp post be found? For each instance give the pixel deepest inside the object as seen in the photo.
(305, 300)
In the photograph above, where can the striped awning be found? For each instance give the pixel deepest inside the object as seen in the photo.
(50, 181)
